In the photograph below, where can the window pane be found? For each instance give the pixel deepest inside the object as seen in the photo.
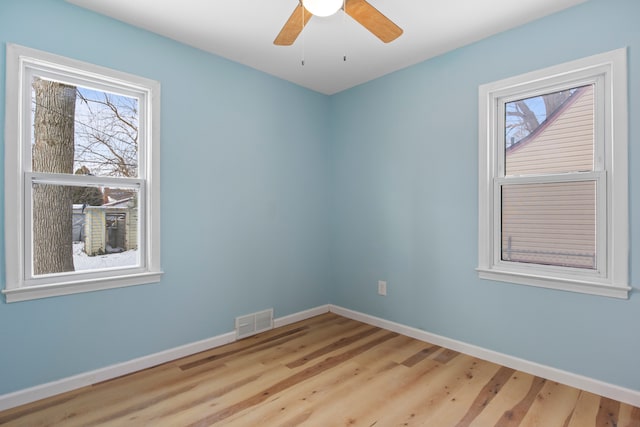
(552, 133)
(83, 228)
(550, 224)
(81, 130)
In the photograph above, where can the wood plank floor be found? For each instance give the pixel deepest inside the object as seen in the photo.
(327, 371)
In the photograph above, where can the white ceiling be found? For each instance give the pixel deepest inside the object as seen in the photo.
(243, 31)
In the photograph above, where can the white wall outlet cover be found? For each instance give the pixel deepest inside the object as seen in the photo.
(382, 287)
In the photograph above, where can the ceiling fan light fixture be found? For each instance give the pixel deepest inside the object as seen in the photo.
(322, 7)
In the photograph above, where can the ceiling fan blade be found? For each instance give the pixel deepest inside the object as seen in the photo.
(293, 27)
(374, 21)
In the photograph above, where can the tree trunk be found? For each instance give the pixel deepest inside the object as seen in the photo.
(529, 119)
(53, 152)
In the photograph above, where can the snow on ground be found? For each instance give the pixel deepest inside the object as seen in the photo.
(82, 261)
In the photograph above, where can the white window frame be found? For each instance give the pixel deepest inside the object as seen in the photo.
(22, 63)
(608, 71)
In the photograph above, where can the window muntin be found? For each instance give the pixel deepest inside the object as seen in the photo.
(84, 155)
(572, 164)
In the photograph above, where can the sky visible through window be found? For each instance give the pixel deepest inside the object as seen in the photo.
(106, 133)
(524, 116)
(515, 129)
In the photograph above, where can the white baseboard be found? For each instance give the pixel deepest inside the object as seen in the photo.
(43, 391)
(626, 395)
(302, 315)
(64, 385)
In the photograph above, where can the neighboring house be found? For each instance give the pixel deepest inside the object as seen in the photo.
(553, 223)
(112, 227)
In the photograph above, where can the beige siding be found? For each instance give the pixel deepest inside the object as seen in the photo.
(132, 229)
(564, 145)
(94, 234)
(549, 223)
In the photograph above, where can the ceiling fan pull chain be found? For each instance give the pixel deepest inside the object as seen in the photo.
(344, 30)
(303, 37)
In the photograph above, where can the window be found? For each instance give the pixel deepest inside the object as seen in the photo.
(81, 177)
(553, 208)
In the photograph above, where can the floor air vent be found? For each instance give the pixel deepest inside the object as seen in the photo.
(255, 323)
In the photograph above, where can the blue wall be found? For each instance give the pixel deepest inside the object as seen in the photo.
(244, 202)
(382, 186)
(405, 191)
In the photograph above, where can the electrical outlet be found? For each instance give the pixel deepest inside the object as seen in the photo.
(382, 287)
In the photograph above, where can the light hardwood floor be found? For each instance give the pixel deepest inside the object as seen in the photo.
(327, 371)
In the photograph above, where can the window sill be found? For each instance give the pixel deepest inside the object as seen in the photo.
(75, 287)
(570, 285)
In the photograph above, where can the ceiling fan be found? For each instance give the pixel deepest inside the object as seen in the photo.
(360, 10)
